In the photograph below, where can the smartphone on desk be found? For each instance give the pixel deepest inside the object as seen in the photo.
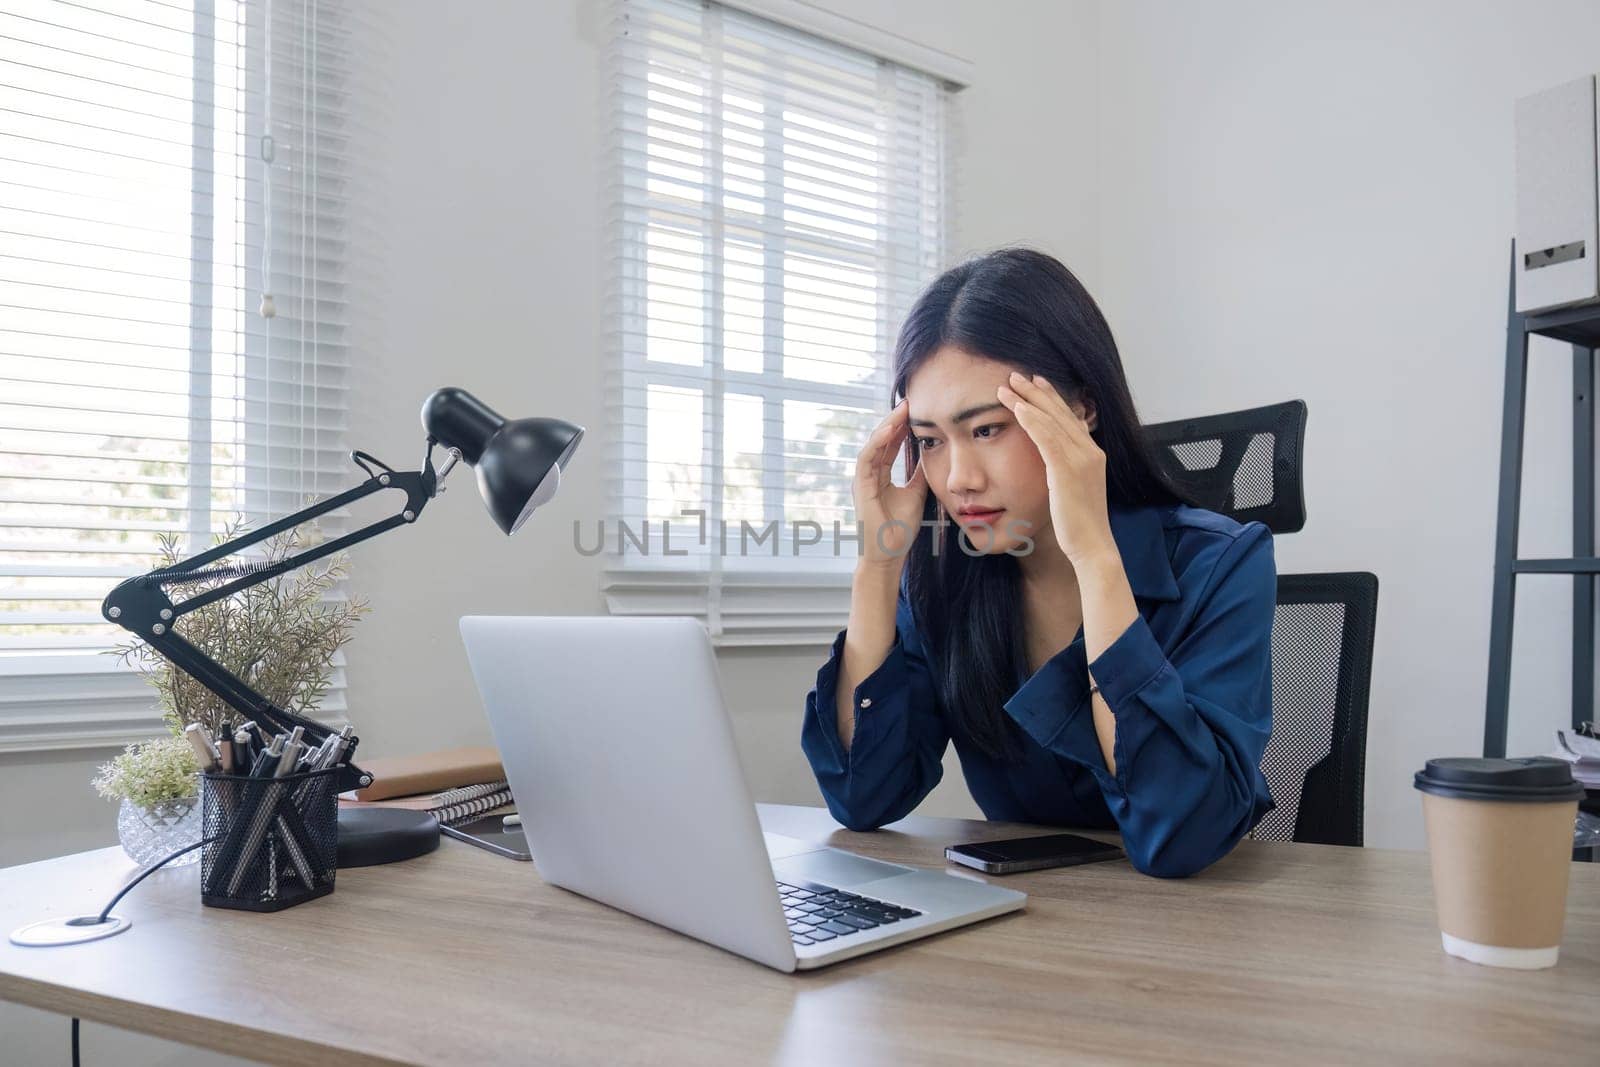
(491, 832)
(1031, 853)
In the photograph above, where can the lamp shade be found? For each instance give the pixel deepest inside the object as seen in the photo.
(518, 461)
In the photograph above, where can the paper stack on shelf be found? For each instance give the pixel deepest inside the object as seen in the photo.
(1584, 755)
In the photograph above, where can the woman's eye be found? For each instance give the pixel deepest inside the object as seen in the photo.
(987, 431)
(927, 442)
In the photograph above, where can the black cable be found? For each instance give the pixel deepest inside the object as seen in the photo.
(148, 871)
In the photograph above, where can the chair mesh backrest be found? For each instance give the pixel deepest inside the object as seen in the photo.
(1245, 464)
(1315, 761)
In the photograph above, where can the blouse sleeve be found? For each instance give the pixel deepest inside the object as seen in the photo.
(896, 753)
(1192, 723)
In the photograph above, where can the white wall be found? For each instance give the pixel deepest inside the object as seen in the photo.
(1316, 201)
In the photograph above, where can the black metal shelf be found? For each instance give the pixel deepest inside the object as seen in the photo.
(1579, 327)
(1586, 565)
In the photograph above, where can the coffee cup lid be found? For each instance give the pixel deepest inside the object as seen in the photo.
(1533, 778)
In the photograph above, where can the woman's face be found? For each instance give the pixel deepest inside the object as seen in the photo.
(980, 463)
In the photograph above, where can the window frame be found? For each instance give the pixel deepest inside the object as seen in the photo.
(91, 700)
(802, 595)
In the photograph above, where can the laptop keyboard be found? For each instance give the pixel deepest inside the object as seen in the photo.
(818, 913)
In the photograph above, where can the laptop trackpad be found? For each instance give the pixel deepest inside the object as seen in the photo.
(832, 867)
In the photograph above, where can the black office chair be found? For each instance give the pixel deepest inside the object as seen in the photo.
(1246, 464)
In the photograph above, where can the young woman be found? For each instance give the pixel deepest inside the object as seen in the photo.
(1098, 650)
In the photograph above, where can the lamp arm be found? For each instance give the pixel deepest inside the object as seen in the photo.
(141, 605)
(252, 705)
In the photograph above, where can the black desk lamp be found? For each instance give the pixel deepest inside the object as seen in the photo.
(519, 466)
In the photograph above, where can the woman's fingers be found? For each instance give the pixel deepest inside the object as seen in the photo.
(919, 477)
(1077, 423)
(1018, 404)
(1052, 415)
(1036, 389)
(1039, 392)
(895, 445)
(870, 451)
(916, 483)
(877, 455)
(1040, 425)
(894, 430)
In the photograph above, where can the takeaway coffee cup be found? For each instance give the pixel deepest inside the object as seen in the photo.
(1500, 843)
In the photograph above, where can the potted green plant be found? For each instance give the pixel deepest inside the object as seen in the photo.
(157, 782)
(282, 637)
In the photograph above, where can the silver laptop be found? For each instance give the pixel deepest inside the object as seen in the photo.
(622, 761)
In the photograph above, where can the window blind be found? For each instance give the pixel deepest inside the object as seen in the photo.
(162, 166)
(780, 200)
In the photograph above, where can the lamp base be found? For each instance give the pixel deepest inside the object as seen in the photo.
(370, 836)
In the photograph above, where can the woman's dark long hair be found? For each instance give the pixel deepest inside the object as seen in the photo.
(1027, 309)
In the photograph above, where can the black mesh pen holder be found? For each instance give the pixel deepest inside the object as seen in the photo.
(273, 842)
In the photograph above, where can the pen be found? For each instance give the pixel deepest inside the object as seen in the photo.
(289, 756)
(225, 794)
(261, 817)
(245, 837)
(264, 763)
(342, 746)
(328, 754)
(211, 744)
(201, 743)
(276, 761)
(242, 795)
(245, 750)
(291, 842)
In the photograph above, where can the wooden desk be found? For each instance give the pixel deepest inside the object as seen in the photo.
(1279, 951)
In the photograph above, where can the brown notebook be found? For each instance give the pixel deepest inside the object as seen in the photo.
(430, 772)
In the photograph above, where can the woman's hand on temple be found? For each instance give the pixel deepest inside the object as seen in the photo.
(1075, 466)
(889, 514)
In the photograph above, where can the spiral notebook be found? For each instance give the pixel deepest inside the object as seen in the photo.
(468, 802)
(450, 805)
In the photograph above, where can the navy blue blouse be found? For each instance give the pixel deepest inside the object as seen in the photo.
(1189, 683)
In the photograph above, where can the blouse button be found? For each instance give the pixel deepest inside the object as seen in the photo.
(866, 702)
